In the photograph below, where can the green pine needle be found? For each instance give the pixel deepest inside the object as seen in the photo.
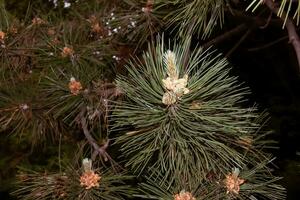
(66, 185)
(258, 184)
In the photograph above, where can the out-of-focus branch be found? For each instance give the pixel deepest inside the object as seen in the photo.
(292, 33)
(225, 36)
(243, 38)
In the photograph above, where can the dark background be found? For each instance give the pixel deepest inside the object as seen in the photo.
(272, 73)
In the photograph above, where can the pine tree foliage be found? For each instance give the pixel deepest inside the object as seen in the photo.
(25, 119)
(69, 185)
(175, 114)
(192, 133)
(218, 187)
(286, 8)
(186, 16)
(145, 20)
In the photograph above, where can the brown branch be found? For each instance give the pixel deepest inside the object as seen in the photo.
(243, 38)
(268, 21)
(98, 150)
(269, 44)
(249, 21)
(225, 36)
(292, 33)
(256, 20)
(108, 91)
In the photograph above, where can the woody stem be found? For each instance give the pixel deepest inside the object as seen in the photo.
(98, 150)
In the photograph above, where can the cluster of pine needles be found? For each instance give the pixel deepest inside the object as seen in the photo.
(177, 117)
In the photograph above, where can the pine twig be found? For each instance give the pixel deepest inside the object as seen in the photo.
(225, 36)
(269, 44)
(292, 33)
(268, 21)
(242, 39)
(98, 150)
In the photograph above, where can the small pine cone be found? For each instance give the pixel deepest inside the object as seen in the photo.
(148, 7)
(180, 86)
(51, 31)
(232, 183)
(184, 196)
(37, 21)
(67, 51)
(24, 107)
(2, 35)
(75, 86)
(92, 19)
(89, 180)
(55, 41)
(169, 98)
(150, 3)
(96, 28)
(169, 84)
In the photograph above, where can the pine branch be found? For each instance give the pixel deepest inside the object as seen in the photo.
(184, 128)
(242, 39)
(255, 183)
(72, 183)
(292, 33)
(225, 36)
(98, 150)
(201, 17)
(265, 46)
